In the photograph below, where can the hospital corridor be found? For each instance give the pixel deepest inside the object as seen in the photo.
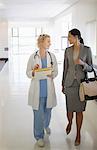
(21, 23)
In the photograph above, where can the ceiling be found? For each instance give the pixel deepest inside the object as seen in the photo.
(32, 9)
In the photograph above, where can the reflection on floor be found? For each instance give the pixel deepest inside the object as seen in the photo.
(16, 118)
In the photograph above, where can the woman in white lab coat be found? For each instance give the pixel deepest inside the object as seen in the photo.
(42, 95)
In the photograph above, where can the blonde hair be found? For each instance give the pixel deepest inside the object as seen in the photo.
(41, 39)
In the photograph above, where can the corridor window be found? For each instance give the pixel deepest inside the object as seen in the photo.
(15, 32)
(26, 31)
(24, 39)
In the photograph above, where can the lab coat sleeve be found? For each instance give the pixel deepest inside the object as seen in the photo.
(30, 66)
(55, 67)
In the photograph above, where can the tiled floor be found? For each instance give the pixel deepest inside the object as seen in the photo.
(16, 118)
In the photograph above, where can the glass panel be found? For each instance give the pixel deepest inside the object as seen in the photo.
(91, 36)
(15, 41)
(64, 42)
(27, 31)
(15, 49)
(26, 49)
(15, 32)
(38, 31)
(24, 41)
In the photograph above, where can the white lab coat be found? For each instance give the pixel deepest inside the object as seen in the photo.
(33, 96)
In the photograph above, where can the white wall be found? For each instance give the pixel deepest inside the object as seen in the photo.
(3, 34)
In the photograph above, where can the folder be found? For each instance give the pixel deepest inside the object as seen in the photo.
(42, 73)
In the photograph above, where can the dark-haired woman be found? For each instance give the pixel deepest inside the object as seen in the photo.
(77, 60)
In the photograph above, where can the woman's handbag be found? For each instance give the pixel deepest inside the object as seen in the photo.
(88, 88)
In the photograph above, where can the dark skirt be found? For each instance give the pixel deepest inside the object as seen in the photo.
(73, 103)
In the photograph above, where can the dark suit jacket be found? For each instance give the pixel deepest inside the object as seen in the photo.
(70, 69)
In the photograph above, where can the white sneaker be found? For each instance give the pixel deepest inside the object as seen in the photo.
(40, 143)
(48, 130)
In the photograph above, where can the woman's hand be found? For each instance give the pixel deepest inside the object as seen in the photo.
(35, 68)
(79, 62)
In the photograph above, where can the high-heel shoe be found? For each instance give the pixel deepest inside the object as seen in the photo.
(77, 141)
(68, 128)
